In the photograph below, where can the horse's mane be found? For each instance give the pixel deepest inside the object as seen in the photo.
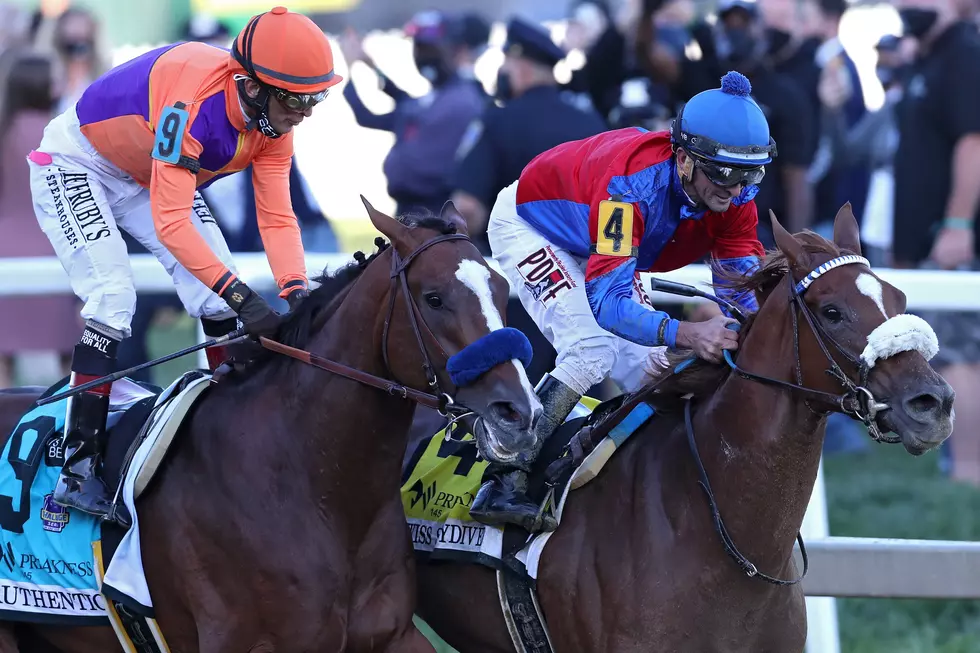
(297, 327)
(702, 378)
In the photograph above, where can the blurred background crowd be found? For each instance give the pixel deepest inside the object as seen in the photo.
(873, 103)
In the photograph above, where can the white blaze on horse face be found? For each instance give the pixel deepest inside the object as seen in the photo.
(896, 334)
(871, 288)
(476, 276)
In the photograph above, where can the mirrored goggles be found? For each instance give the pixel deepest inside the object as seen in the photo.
(300, 101)
(726, 176)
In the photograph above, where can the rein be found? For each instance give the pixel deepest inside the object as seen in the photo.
(437, 399)
(440, 403)
(857, 402)
(747, 566)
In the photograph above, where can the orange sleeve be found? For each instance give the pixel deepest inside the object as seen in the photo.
(274, 209)
(175, 78)
(172, 190)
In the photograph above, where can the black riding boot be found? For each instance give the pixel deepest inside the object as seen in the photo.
(220, 354)
(80, 485)
(502, 498)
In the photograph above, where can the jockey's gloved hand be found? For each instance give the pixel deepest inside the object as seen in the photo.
(708, 339)
(255, 313)
(296, 297)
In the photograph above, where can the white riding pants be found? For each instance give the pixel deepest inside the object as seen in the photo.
(550, 283)
(82, 200)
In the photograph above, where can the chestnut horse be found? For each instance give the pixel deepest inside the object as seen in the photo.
(276, 524)
(638, 562)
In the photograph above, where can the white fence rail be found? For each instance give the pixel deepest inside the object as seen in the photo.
(840, 566)
(886, 568)
(926, 289)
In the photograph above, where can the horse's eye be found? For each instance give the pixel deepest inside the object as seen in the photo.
(433, 300)
(832, 314)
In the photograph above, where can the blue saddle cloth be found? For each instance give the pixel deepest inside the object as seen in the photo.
(47, 560)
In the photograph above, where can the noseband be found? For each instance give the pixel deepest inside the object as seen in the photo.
(857, 401)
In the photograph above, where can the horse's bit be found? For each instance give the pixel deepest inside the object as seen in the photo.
(437, 399)
(857, 401)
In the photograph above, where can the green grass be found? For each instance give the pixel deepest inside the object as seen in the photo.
(887, 493)
(882, 493)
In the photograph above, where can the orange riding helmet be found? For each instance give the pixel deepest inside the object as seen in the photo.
(287, 51)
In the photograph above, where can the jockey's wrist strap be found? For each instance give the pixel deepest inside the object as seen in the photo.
(662, 332)
(293, 286)
(236, 295)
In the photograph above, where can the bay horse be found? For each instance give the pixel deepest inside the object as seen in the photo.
(276, 523)
(638, 563)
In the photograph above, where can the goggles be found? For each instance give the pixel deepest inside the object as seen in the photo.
(724, 175)
(299, 101)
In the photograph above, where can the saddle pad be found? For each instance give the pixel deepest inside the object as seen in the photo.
(124, 580)
(441, 482)
(46, 559)
(444, 475)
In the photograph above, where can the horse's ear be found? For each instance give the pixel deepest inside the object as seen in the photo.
(387, 225)
(788, 244)
(451, 214)
(847, 235)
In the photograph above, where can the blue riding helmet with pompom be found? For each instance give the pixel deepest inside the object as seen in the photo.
(725, 125)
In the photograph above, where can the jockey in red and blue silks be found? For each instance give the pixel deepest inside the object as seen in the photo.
(586, 217)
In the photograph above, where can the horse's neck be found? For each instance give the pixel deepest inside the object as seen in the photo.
(378, 422)
(761, 447)
(357, 433)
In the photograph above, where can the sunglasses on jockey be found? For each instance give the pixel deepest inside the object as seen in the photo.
(726, 176)
(702, 150)
(298, 101)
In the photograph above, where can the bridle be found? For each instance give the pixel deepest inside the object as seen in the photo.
(856, 401)
(436, 399)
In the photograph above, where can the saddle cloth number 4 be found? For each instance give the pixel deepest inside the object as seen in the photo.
(615, 225)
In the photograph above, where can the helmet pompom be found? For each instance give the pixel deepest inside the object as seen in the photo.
(735, 83)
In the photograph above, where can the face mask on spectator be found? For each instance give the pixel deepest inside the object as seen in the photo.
(891, 75)
(738, 46)
(778, 39)
(505, 90)
(675, 37)
(433, 69)
(76, 49)
(917, 21)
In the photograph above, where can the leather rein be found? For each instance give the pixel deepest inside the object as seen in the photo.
(857, 401)
(436, 399)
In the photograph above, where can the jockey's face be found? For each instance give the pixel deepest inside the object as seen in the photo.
(716, 198)
(705, 193)
(282, 118)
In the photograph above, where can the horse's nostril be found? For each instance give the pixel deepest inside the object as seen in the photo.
(924, 404)
(506, 411)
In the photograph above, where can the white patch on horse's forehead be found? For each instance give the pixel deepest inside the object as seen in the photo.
(476, 277)
(871, 288)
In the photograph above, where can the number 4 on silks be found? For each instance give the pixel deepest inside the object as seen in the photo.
(615, 226)
(170, 133)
